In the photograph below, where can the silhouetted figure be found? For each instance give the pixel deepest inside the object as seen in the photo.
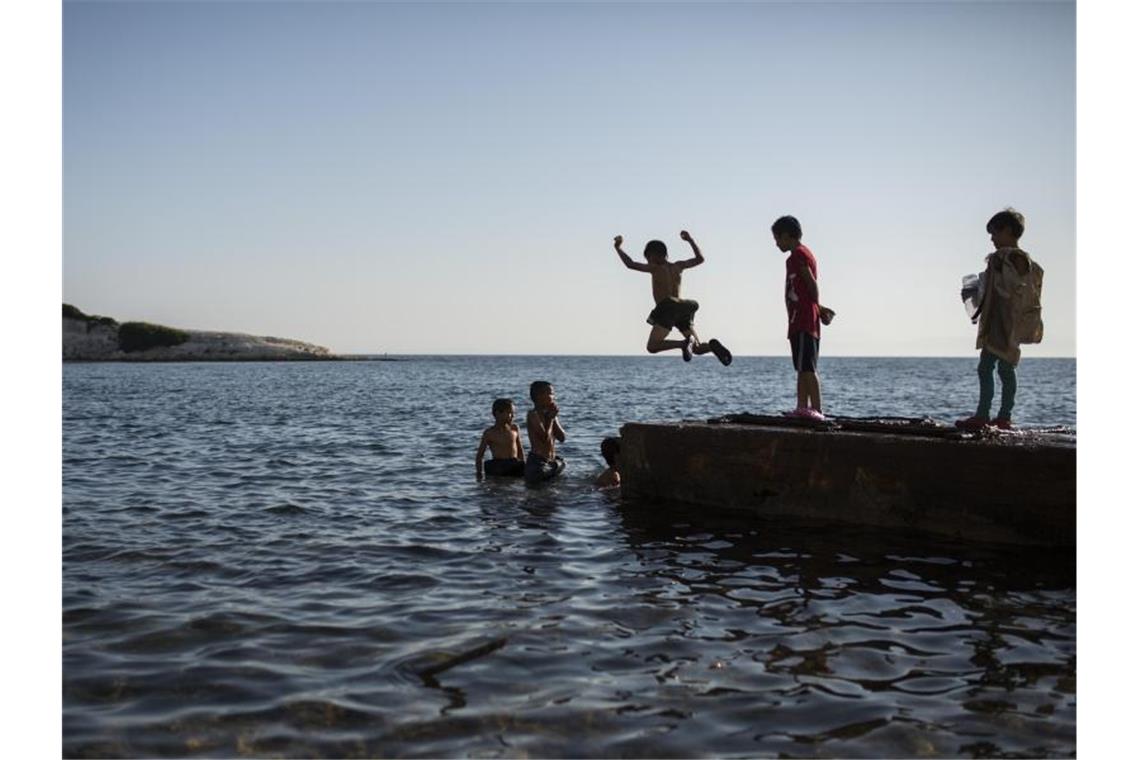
(801, 297)
(1009, 315)
(672, 310)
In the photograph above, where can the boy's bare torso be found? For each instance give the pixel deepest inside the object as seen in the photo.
(666, 278)
(540, 432)
(504, 441)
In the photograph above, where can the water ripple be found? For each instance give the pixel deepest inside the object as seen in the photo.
(296, 560)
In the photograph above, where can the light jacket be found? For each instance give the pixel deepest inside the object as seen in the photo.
(1010, 313)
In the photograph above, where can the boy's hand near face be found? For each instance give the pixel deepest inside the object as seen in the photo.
(550, 411)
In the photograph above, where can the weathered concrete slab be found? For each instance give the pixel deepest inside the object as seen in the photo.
(1018, 488)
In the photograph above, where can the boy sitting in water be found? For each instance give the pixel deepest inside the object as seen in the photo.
(672, 310)
(610, 477)
(543, 429)
(505, 442)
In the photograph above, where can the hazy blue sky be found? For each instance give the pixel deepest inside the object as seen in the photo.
(448, 178)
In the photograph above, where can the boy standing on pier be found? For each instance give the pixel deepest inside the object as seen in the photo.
(801, 297)
(1010, 314)
(672, 310)
(543, 428)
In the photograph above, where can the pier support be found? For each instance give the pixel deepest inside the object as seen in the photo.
(1008, 488)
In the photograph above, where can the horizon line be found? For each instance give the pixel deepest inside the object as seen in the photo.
(748, 356)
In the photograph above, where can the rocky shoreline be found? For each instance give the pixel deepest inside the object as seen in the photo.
(89, 338)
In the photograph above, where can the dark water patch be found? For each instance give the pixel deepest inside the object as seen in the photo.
(286, 510)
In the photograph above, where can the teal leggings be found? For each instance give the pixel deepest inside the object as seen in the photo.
(1008, 374)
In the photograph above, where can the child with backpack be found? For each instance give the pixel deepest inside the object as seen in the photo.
(1009, 315)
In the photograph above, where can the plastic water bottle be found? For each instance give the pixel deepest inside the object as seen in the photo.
(972, 293)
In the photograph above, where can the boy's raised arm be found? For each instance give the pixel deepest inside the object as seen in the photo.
(557, 431)
(630, 263)
(698, 257)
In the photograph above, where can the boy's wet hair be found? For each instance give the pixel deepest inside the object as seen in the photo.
(656, 248)
(789, 225)
(1008, 219)
(611, 447)
(537, 387)
(501, 405)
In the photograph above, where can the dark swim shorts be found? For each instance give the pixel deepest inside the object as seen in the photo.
(673, 312)
(805, 351)
(505, 468)
(539, 469)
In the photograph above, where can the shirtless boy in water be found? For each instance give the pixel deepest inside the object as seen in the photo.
(543, 428)
(672, 310)
(505, 442)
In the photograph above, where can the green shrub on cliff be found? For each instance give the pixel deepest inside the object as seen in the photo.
(92, 320)
(139, 336)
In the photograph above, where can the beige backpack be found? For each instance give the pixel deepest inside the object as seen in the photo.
(1023, 291)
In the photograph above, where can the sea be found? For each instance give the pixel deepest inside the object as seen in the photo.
(296, 560)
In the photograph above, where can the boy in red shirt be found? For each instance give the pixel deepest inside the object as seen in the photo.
(801, 296)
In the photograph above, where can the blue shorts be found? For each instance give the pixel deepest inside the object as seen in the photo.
(805, 351)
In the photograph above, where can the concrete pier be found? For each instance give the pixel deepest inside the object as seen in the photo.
(1017, 487)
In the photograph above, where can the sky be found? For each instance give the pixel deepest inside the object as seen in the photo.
(448, 178)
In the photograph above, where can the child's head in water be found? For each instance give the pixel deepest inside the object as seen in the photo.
(503, 410)
(656, 251)
(611, 448)
(611, 452)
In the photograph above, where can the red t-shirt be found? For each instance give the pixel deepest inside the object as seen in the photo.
(803, 309)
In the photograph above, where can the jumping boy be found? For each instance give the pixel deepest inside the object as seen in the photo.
(611, 476)
(1010, 314)
(505, 442)
(672, 310)
(543, 429)
(801, 297)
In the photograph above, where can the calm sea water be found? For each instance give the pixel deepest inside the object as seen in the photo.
(296, 560)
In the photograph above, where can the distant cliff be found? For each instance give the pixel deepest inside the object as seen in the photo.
(93, 338)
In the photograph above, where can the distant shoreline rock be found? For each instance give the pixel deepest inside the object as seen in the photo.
(90, 338)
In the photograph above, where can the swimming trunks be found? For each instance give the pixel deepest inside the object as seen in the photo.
(539, 469)
(805, 351)
(673, 312)
(506, 468)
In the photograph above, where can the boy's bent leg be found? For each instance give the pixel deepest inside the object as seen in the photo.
(1008, 374)
(985, 384)
(657, 342)
(698, 347)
